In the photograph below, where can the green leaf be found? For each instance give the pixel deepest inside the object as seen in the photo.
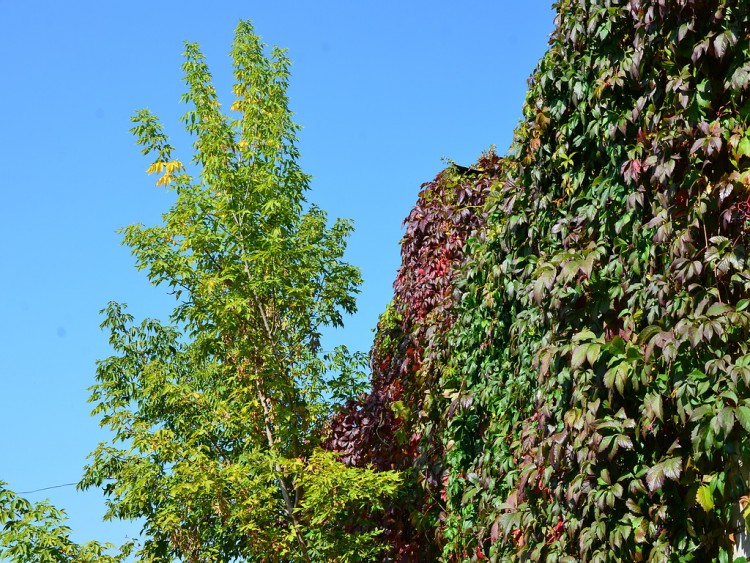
(654, 407)
(742, 413)
(592, 353)
(648, 333)
(720, 45)
(655, 477)
(718, 309)
(743, 147)
(610, 375)
(704, 498)
(672, 468)
(579, 355)
(726, 419)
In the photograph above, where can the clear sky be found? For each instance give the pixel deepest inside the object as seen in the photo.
(384, 90)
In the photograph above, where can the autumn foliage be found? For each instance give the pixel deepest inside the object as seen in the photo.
(600, 354)
(566, 377)
(396, 425)
(563, 373)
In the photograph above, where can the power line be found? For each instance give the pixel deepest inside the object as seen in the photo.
(47, 488)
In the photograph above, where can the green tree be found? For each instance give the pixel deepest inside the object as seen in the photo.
(37, 532)
(217, 417)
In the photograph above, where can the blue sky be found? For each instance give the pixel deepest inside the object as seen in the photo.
(384, 90)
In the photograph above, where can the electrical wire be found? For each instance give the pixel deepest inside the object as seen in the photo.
(48, 488)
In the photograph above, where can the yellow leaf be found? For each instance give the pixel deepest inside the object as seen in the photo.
(155, 168)
(174, 166)
(164, 180)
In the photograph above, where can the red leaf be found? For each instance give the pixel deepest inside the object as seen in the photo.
(494, 532)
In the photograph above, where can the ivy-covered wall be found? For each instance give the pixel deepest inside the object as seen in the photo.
(564, 371)
(598, 372)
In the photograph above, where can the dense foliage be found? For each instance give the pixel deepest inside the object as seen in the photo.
(563, 373)
(37, 532)
(599, 367)
(396, 425)
(217, 416)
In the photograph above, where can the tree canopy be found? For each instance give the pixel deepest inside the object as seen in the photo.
(217, 416)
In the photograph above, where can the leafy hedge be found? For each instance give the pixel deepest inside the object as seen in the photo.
(598, 374)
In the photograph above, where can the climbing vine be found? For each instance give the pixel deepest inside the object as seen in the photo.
(598, 374)
(396, 426)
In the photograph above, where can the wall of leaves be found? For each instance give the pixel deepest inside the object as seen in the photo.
(564, 371)
(398, 425)
(598, 373)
